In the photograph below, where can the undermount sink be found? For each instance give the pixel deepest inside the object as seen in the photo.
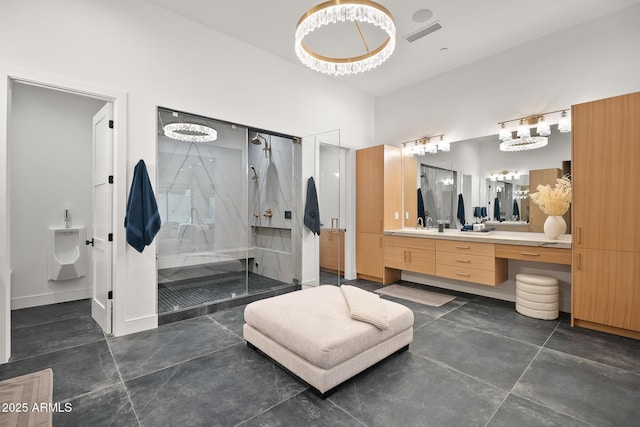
(420, 230)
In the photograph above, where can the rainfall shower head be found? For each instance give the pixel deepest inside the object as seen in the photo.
(256, 139)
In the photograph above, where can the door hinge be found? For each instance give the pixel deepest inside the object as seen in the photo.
(110, 124)
(110, 295)
(110, 237)
(110, 179)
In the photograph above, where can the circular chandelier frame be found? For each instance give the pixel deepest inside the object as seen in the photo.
(330, 12)
(524, 144)
(174, 131)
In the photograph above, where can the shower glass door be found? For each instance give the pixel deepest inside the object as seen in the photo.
(331, 200)
(202, 199)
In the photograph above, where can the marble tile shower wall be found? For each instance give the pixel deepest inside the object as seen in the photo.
(202, 197)
(273, 190)
(274, 187)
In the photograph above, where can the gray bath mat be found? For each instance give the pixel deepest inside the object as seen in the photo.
(416, 295)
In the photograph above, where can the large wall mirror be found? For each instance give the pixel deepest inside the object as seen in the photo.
(493, 186)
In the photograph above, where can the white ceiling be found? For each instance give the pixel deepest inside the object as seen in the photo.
(472, 30)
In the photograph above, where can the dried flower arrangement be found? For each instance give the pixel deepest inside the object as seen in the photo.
(554, 201)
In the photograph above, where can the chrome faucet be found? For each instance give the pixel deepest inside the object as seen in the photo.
(419, 223)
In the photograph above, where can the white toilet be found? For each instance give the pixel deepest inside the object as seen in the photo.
(68, 253)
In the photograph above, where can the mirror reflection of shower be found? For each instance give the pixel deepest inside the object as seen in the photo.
(267, 145)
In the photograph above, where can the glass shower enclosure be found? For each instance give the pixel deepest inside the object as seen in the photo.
(227, 215)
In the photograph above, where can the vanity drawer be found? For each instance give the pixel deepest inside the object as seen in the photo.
(410, 242)
(463, 247)
(484, 277)
(480, 262)
(410, 259)
(534, 253)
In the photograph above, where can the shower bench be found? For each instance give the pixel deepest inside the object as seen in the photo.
(312, 335)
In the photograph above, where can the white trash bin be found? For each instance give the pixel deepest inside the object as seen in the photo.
(537, 296)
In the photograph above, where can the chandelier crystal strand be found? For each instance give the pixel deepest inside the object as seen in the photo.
(343, 12)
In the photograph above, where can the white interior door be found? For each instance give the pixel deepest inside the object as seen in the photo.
(101, 239)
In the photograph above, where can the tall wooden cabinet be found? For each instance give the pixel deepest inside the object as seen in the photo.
(606, 201)
(378, 206)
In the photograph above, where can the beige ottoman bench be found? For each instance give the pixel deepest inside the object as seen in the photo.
(312, 334)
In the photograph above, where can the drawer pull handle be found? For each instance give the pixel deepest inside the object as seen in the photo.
(530, 253)
(463, 274)
(463, 247)
(466, 261)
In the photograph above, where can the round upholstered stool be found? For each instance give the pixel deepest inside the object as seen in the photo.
(537, 296)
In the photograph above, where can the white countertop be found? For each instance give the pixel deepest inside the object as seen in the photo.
(503, 237)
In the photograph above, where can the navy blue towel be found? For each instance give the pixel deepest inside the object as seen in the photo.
(460, 215)
(516, 209)
(311, 210)
(483, 212)
(142, 219)
(422, 213)
(496, 209)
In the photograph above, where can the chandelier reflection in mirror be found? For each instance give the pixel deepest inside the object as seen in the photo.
(358, 12)
(525, 141)
(190, 132)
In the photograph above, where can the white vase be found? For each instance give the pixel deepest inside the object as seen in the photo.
(554, 226)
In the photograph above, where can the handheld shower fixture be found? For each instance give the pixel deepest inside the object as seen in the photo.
(255, 174)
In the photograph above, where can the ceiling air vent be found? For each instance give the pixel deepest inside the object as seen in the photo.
(423, 32)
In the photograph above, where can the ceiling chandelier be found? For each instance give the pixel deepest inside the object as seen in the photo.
(190, 132)
(356, 11)
(525, 141)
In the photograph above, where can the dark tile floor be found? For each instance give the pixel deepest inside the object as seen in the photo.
(473, 362)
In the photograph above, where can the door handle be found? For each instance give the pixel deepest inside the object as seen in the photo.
(89, 242)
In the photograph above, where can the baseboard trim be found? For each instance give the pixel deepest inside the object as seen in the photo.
(606, 328)
(132, 326)
(50, 298)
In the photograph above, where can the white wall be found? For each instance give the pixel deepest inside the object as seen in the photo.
(591, 61)
(159, 58)
(51, 161)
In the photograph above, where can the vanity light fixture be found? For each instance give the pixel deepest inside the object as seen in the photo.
(564, 125)
(525, 141)
(543, 129)
(190, 132)
(504, 176)
(443, 145)
(422, 146)
(356, 11)
(505, 134)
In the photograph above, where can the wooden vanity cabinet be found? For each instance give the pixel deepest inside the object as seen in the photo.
(378, 207)
(410, 254)
(605, 148)
(470, 262)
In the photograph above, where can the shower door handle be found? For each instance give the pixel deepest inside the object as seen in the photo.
(334, 223)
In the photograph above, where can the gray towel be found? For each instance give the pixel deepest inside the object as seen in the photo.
(311, 210)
